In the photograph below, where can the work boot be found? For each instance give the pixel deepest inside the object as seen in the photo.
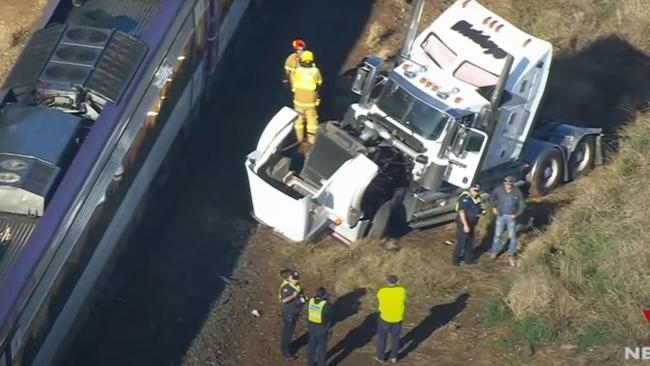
(304, 148)
(393, 360)
(300, 137)
(379, 360)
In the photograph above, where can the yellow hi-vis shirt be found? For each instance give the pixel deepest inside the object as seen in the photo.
(295, 287)
(392, 303)
(315, 311)
(306, 79)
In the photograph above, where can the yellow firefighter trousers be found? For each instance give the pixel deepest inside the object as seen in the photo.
(310, 116)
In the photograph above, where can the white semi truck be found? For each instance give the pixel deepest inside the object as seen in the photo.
(459, 107)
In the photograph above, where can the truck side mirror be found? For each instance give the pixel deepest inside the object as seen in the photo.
(364, 81)
(460, 141)
(483, 118)
(360, 80)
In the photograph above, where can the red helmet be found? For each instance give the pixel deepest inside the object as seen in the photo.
(298, 44)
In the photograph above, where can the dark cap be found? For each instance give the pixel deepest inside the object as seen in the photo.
(508, 179)
(295, 274)
(391, 279)
(285, 273)
(321, 293)
(475, 186)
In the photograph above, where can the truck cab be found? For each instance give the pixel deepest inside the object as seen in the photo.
(457, 108)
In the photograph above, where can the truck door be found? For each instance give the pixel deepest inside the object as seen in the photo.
(464, 163)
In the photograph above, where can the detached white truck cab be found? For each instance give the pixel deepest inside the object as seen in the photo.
(459, 107)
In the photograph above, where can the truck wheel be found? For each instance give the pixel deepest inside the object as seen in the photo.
(582, 159)
(549, 170)
(380, 221)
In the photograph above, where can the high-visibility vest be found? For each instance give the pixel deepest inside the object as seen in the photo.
(392, 303)
(285, 282)
(315, 311)
(306, 78)
(476, 200)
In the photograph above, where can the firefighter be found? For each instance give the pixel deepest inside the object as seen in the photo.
(304, 84)
(319, 322)
(292, 298)
(469, 211)
(293, 60)
(392, 304)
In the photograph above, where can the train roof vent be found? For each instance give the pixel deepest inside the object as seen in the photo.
(99, 61)
(116, 67)
(75, 57)
(35, 55)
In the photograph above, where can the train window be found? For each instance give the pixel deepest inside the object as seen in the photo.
(165, 100)
(200, 24)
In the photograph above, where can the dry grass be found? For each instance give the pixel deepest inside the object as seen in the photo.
(592, 264)
(364, 265)
(601, 262)
(571, 25)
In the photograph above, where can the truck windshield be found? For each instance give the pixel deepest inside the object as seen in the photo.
(420, 118)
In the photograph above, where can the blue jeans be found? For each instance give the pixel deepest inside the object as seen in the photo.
(510, 224)
(383, 330)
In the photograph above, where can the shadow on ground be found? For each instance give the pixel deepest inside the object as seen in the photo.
(439, 315)
(353, 340)
(602, 85)
(171, 273)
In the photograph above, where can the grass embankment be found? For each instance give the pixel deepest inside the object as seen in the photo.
(585, 279)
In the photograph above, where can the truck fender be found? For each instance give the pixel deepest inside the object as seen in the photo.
(343, 191)
(568, 136)
(534, 148)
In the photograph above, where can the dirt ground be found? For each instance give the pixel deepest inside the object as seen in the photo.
(18, 18)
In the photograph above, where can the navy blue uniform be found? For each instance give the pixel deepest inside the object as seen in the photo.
(318, 331)
(465, 241)
(290, 313)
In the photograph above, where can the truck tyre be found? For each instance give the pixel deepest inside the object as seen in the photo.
(582, 159)
(548, 172)
(380, 221)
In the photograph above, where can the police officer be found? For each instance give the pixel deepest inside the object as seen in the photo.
(469, 210)
(292, 298)
(392, 304)
(319, 322)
